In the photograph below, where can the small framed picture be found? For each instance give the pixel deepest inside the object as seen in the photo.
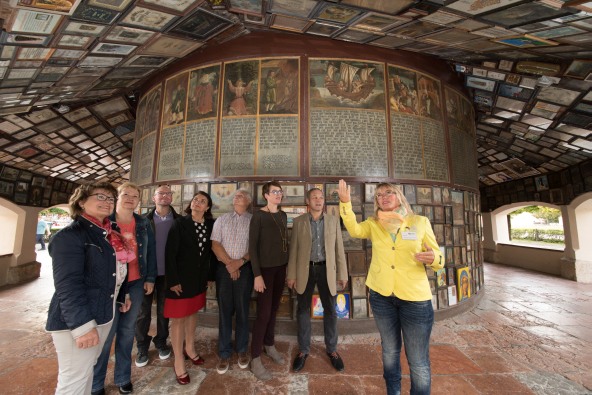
(28, 21)
(331, 194)
(55, 7)
(200, 25)
(480, 83)
(293, 194)
(541, 183)
(356, 263)
(342, 306)
(579, 69)
(147, 18)
(369, 190)
(358, 286)
(221, 194)
(115, 5)
(170, 46)
(113, 49)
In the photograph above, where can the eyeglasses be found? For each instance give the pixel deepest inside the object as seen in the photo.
(385, 194)
(103, 198)
(277, 192)
(200, 201)
(164, 193)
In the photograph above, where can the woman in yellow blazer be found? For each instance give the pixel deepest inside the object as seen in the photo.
(403, 244)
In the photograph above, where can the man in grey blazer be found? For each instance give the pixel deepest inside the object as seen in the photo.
(316, 257)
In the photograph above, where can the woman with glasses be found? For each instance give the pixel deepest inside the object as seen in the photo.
(89, 273)
(141, 274)
(268, 250)
(403, 244)
(189, 264)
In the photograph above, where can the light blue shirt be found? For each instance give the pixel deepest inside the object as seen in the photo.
(41, 227)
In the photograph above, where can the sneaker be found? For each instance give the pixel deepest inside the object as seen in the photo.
(259, 370)
(243, 360)
(274, 354)
(222, 366)
(164, 352)
(141, 359)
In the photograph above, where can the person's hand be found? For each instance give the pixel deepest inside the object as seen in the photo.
(88, 340)
(233, 268)
(342, 283)
(426, 257)
(177, 289)
(124, 308)
(148, 288)
(344, 192)
(259, 284)
(291, 283)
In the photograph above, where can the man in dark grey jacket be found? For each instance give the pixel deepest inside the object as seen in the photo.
(161, 219)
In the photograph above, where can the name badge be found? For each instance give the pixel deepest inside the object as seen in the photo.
(409, 235)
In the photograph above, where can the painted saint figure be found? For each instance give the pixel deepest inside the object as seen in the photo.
(238, 106)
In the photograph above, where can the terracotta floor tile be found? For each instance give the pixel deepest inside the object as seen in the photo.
(531, 333)
(497, 384)
(450, 360)
(452, 385)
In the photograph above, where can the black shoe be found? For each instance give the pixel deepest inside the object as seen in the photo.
(126, 389)
(336, 361)
(299, 362)
(99, 392)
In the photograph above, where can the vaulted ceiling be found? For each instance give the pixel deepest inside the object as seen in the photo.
(69, 70)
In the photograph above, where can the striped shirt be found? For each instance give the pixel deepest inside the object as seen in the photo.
(232, 231)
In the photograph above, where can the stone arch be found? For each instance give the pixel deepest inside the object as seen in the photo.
(499, 218)
(577, 263)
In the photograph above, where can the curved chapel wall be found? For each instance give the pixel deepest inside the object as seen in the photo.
(306, 111)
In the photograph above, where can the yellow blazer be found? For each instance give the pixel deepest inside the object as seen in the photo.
(394, 269)
(300, 248)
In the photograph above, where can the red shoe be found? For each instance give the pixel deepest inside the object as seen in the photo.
(196, 361)
(182, 379)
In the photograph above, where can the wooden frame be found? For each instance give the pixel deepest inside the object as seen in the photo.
(200, 25)
(169, 46)
(579, 68)
(148, 18)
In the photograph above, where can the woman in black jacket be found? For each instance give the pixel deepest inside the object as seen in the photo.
(89, 271)
(188, 259)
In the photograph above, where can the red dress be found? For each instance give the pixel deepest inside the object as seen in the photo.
(180, 308)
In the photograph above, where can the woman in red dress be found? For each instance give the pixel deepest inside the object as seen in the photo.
(188, 262)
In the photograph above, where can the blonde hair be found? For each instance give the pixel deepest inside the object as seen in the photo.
(128, 185)
(398, 193)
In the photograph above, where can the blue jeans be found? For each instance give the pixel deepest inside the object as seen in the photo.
(124, 326)
(145, 316)
(233, 297)
(414, 320)
(317, 275)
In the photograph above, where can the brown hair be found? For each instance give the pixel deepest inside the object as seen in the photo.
(83, 192)
(267, 186)
(208, 213)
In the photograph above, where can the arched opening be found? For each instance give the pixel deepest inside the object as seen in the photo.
(578, 253)
(498, 247)
(9, 214)
(537, 226)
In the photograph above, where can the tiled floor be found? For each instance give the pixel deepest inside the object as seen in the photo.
(531, 334)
